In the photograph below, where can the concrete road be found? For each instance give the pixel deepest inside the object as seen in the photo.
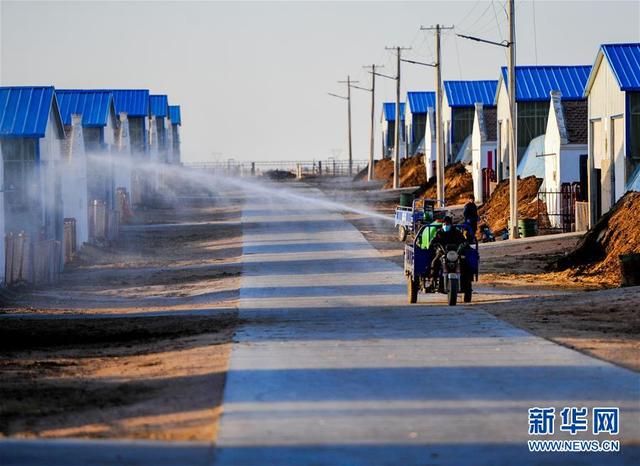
(331, 367)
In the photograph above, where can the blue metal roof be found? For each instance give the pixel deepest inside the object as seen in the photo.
(390, 111)
(534, 83)
(159, 105)
(135, 102)
(419, 101)
(174, 114)
(625, 63)
(468, 93)
(24, 111)
(94, 106)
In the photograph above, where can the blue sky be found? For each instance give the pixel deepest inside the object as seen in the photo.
(252, 78)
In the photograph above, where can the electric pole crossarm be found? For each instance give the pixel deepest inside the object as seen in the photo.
(383, 75)
(362, 88)
(413, 62)
(504, 43)
(338, 96)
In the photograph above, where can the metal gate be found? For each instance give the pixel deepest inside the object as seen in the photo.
(488, 177)
(557, 209)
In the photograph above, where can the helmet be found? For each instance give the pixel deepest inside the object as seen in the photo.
(447, 219)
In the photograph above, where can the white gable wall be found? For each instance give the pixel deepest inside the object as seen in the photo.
(606, 115)
(50, 186)
(430, 144)
(480, 149)
(73, 175)
(123, 159)
(503, 116)
(552, 150)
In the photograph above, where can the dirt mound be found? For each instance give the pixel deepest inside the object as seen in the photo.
(362, 174)
(496, 209)
(412, 173)
(616, 233)
(458, 185)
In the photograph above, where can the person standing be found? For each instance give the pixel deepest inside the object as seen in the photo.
(470, 214)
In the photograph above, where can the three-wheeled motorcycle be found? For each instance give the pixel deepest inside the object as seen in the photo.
(458, 267)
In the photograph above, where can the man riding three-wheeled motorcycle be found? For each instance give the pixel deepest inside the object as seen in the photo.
(442, 258)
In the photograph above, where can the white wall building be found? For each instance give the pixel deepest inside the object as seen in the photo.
(458, 112)
(388, 121)
(565, 142)
(31, 134)
(73, 176)
(613, 92)
(533, 87)
(429, 143)
(483, 150)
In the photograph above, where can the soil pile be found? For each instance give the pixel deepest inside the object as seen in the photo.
(458, 185)
(412, 173)
(382, 170)
(496, 209)
(597, 253)
(362, 174)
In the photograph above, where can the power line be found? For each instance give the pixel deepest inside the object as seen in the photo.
(535, 34)
(396, 148)
(464, 18)
(468, 29)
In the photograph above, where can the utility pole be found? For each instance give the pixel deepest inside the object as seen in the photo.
(513, 150)
(349, 83)
(373, 113)
(440, 162)
(398, 122)
(511, 130)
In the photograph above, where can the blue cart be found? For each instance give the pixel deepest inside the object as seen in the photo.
(455, 276)
(409, 219)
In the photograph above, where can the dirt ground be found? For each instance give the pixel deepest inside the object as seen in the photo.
(134, 342)
(604, 323)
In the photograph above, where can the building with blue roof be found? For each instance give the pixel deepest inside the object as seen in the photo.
(135, 103)
(419, 103)
(533, 95)
(458, 113)
(99, 129)
(134, 135)
(159, 115)
(175, 119)
(31, 134)
(613, 92)
(388, 127)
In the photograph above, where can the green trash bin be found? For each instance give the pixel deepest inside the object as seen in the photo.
(527, 227)
(630, 269)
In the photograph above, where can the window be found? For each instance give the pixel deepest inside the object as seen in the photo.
(633, 131)
(462, 127)
(19, 158)
(21, 186)
(417, 127)
(633, 135)
(532, 122)
(136, 134)
(160, 131)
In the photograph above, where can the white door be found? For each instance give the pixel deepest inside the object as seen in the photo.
(602, 161)
(618, 159)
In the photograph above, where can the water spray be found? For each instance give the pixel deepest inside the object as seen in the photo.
(206, 180)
